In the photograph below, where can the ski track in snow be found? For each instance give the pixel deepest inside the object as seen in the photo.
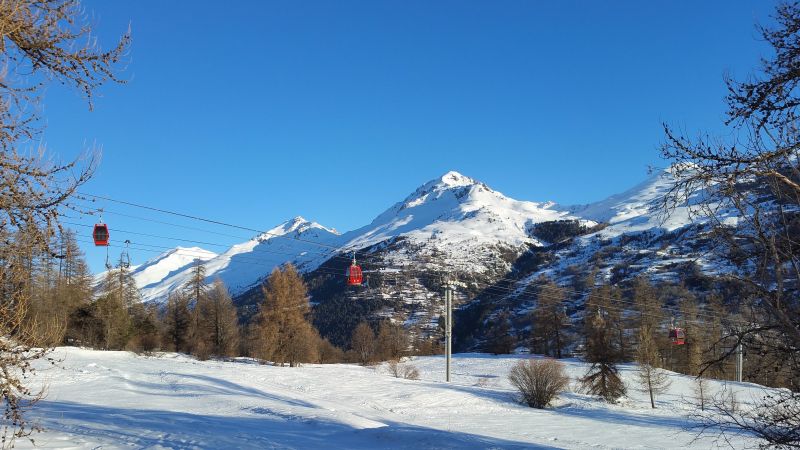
(121, 400)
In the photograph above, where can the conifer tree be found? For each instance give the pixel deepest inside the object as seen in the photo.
(693, 343)
(285, 334)
(499, 339)
(652, 379)
(550, 321)
(196, 292)
(218, 325)
(195, 287)
(601, 349)
(177, 322)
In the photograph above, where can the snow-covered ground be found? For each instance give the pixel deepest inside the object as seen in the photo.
(117, 399)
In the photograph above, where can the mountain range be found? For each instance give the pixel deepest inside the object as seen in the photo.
(459, 227)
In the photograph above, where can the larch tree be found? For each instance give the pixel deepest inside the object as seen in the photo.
(43, 41)
(59, 283)
(694, 342)
(550, 321)
(602, 350)
(392, 341)
(114, 306)
(362, 343)
(218, 322)
(652, 380)
(177, 321)
(285, 333)
(196, 292)
(499, 339)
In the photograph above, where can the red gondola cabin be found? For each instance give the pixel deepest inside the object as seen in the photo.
(100, 234)
(354, 275)
(677, 336)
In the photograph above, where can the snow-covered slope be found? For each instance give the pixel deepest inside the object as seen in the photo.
(638, 209)
(244, 265)
(119, 400)
(168, 263)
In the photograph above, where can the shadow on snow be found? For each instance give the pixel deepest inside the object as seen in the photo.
(151, 428)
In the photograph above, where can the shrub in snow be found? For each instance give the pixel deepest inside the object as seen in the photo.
(410, 372)
(539, 381)
(400, 370)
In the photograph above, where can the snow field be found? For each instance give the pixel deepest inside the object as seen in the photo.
(121, 400)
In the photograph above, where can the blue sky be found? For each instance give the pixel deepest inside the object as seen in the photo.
(254, 112)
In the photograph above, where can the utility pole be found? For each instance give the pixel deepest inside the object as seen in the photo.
(739, 361)
(449, 285)
(448, 327)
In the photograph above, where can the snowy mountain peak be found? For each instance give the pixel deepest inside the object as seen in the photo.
(295, 226)
(452, 185)
(455, 179)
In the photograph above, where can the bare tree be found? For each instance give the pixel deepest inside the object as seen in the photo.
(702, 392)
(362, 343)
(652, 380)
(392, 341)
(756, 173)
(42, 41)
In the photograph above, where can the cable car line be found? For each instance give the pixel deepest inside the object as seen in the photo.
(662, 316)
(509, 291)
(332, 255)
(216, 222)
(419, 275)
